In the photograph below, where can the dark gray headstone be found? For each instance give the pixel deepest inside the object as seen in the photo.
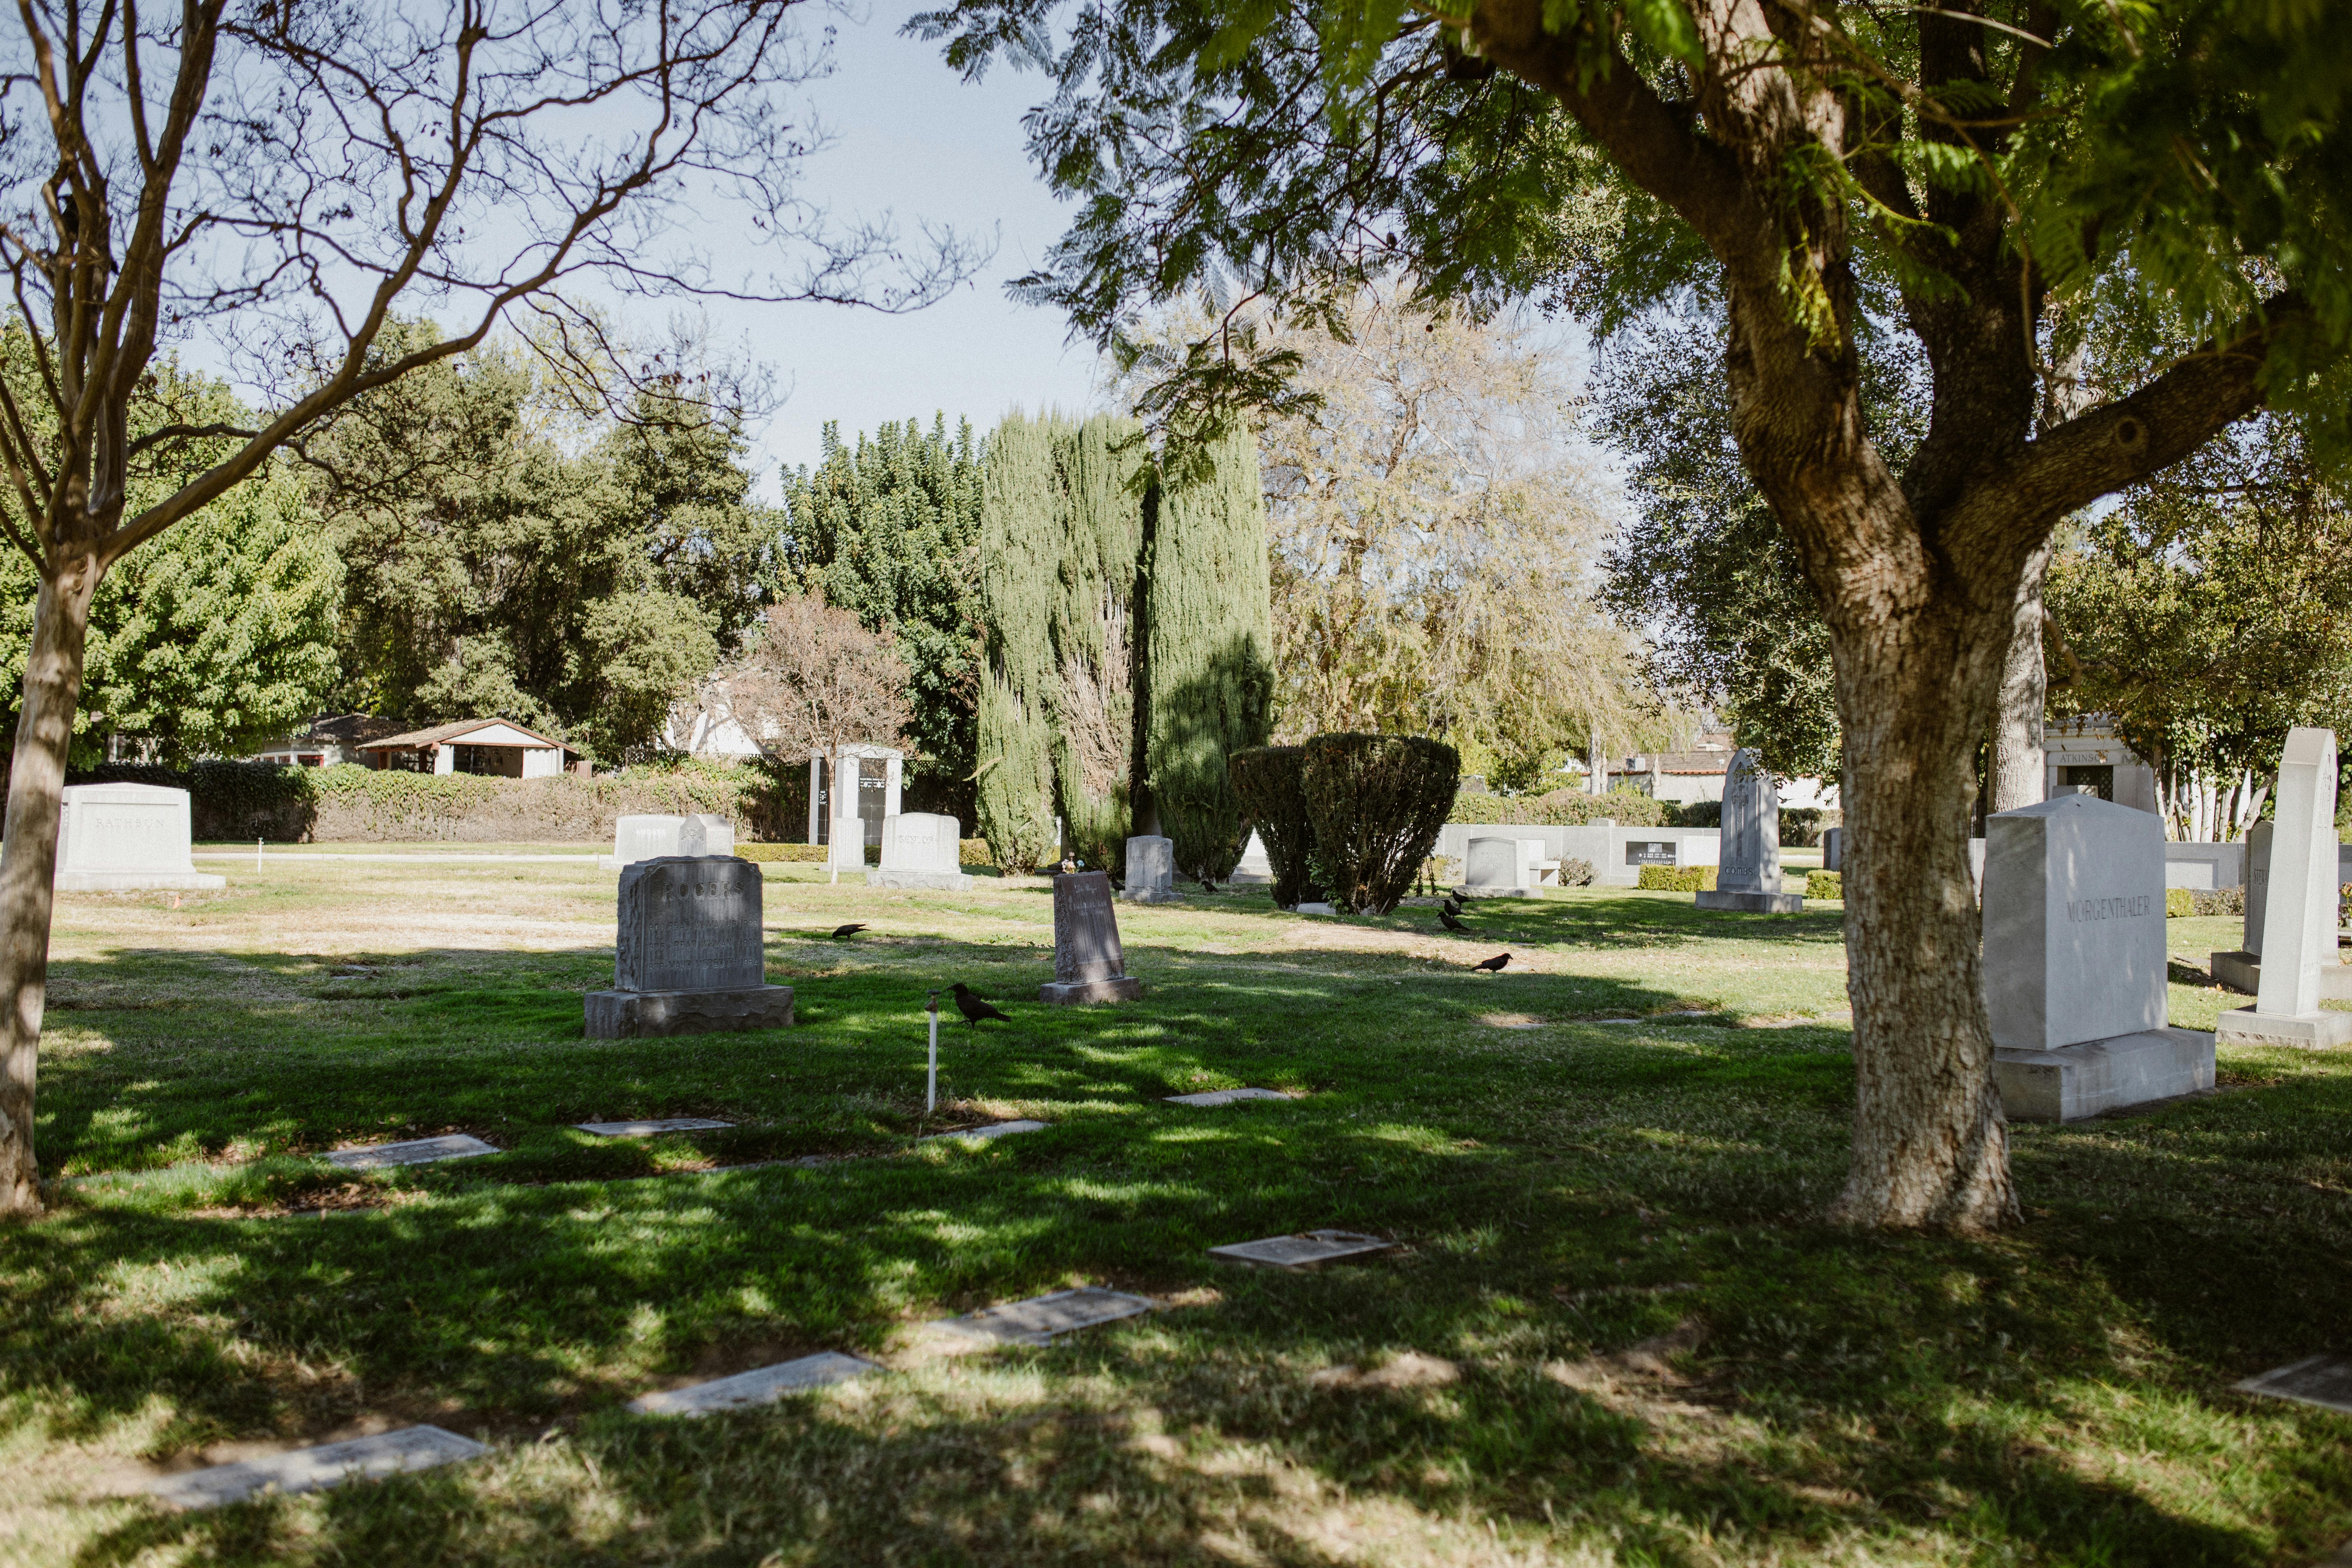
(1751, 828)
(1088, 963)
(689, 923)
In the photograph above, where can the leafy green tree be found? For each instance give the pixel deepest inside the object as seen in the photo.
(1096, 620)
(491, 571)
(889, 530)
(2207, 614)
(1703, 562)
(1983, 173)
(1020, 553)
(1209, 672)
(216, 639)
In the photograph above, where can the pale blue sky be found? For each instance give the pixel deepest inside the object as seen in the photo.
(911, 137)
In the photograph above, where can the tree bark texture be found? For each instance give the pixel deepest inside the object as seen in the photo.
(28, 863)
(1924, 578)
(2019, 773)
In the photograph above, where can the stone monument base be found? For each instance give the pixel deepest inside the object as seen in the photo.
(132, 881)
(1062, 993)
(1248, 879)
(940, 881)
(2098, 1076)
(1753, 903)
(2243, 972)
(2312, 1031)
(634, 1014)
(1149, 896)
(1468, 891)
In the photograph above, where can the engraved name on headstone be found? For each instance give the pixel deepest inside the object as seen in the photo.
(1088, 962)
(687, 958)
(2075, 961)
(689, 924)
(121, 836)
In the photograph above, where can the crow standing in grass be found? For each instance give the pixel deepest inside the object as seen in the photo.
(1451, 905)
(972, 1008)
(1446, 919)
(1495, 965)
(852, 929)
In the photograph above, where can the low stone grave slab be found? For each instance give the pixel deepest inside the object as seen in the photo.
(994, 1130)
(2322, 1380)
(1303, 1250)
(650, 1129)
(763, 1385)
(413, 1152)
(315, 1470)
(1225, 1095)
(1038, 1319)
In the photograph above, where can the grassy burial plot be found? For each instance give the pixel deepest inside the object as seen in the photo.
(1610, 1329)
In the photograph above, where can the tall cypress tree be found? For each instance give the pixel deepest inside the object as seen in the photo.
(1094, 630)
(1020, 561)
(890, 531)
(1209, 652)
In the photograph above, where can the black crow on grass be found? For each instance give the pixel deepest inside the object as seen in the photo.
(1495, 965)
(972, 1008)
(852, 929)
(1446, 919)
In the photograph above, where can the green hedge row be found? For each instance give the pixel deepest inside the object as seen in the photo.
(1825, 885)
(1563, 808)
(1677, 879)
(348, 804)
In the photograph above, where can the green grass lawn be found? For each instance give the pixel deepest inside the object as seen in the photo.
(1613, 1329)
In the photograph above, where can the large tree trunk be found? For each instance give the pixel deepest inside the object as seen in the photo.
(2020, 771)
(1930, 1145)
(29, 864)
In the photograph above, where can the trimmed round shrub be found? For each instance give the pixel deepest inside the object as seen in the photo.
(1375, 804)
(1271, 784)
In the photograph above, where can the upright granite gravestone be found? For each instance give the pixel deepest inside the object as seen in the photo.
(116, 838)
(1088, 963)
(688, 959)
(2242, 970)
(1749, 875)
(2075, 962)
(920, 850)
(1833, 849)
(649, 837)
(2299, 896)
(1150, 870)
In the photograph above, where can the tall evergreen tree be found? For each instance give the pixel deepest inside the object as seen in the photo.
(1020, 557)
(1209, 652)
(890, 530)
(1094, 623)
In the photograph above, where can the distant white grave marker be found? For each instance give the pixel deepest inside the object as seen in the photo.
(1040, 1318)
(1304, 1250)
(413, 1152)
(1225, 1095)
(2297, 930)
(117, 837)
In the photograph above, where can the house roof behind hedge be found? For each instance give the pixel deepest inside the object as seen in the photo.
(441, 733)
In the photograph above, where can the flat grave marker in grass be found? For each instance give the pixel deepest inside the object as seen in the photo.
(1038, 1319)
(1304, 1250)
(412, 1151)
(763, 1385)
(2322, 1380)
(650, 1129)
(994, 1130)
(1225, 1095)
(315, 1470)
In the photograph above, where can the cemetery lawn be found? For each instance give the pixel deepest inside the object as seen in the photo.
(1613, 1329)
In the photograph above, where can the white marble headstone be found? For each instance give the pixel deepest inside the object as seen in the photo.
(2073, 922)
(918, 841)
(126, 836)
(2298, 929)
(1151, 864)
(1494, 863)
